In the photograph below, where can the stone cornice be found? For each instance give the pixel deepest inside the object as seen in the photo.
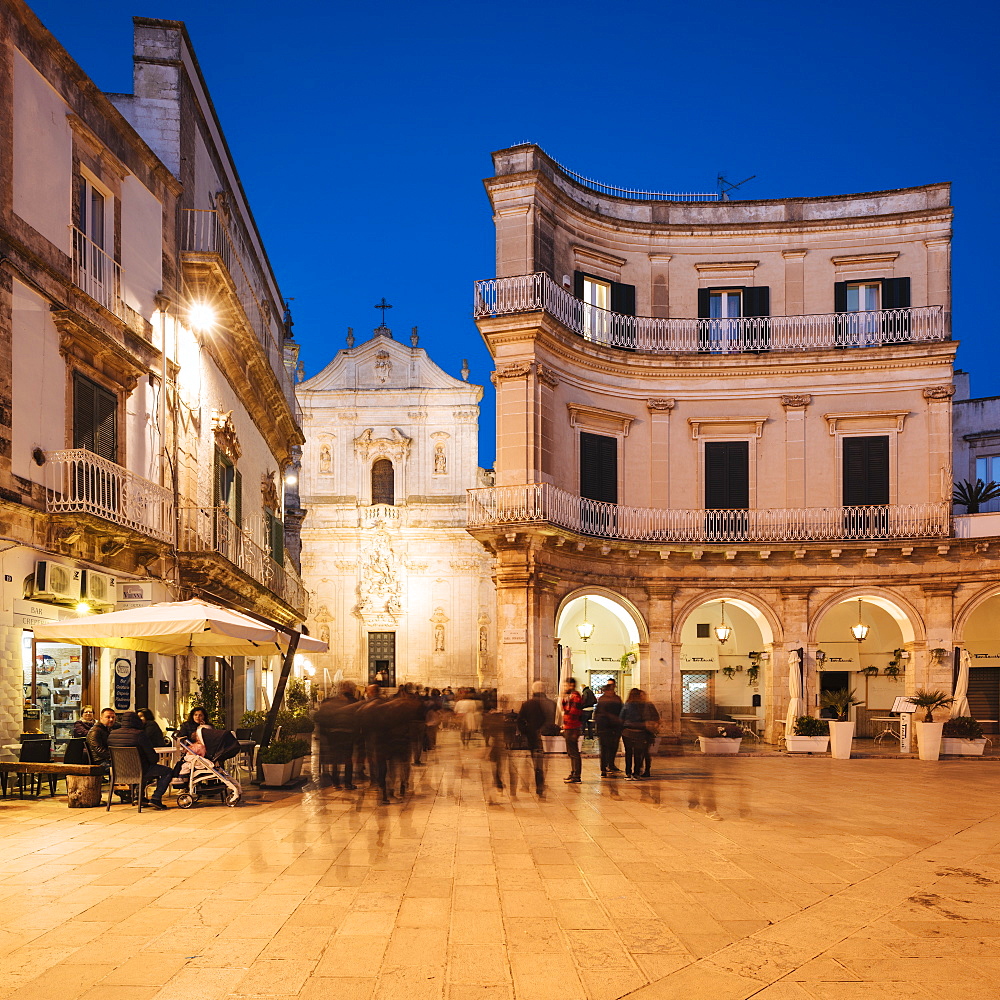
(932, 392)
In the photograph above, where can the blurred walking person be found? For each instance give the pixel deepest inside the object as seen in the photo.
(534, 715)
(572, 723)
(467, 714)
(641, 721)
(607, 718)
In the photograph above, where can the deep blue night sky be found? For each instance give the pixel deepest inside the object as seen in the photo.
(362, 132)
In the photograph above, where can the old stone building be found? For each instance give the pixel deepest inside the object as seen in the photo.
(400, 589)
(724, 439)
(148, 415)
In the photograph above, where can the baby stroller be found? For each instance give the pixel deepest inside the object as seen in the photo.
(205, 773)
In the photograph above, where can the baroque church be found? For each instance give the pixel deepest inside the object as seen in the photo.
(401, 591)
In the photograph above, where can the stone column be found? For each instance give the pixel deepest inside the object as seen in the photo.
(659, 455)
(659, 674)
(795, 448)
(795, 623)
(939, 442)
(794, 304)
(925, 670)
(517, 461)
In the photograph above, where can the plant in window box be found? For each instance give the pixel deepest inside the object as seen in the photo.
(627, 660)
(929, 732)
(729, 672)
(753, 672)
(720, 738)
(841, 729)
(871, 671)
(972, 495)
(963, 736)
(808, 735)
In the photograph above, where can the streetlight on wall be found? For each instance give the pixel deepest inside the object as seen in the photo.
(585, 628)
(722, 630)
(859, 631)
(201, 316)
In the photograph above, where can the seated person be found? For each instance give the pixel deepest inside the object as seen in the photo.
(85, 723)
(97, 744)
(196, 717)
(131, 734)
(153, 731)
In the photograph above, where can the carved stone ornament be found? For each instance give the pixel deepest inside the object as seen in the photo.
(379, 587)
(325, 460)
(939, 392)
(269, 492)
(796, 402)
(323, 615)
(518, 369)
(383, 366)
(439, 617)
(225, 435)
(660, 404)
(395, 447)
(546, 375)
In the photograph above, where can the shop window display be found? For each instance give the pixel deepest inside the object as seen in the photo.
(53, 684)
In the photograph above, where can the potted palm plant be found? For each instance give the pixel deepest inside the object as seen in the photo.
(808, 735)
(963, 736)
(971, 495)
(841, 729)
(721, 739)
(929, 732)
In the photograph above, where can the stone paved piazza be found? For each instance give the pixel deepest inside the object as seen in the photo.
(763, 877)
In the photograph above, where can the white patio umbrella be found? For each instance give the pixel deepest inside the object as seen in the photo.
(177, 628)
(960, 706)
(796, 703)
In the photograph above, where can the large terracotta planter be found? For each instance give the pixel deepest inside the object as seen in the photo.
(717, 746)
(841, 740)
(807, 744)
(929, 740)
(962, 748)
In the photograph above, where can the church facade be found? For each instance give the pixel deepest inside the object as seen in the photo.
(399, 588)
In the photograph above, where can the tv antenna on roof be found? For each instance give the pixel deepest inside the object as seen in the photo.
(726, 186)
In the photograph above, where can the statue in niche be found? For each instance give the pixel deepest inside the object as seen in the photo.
(324, 633)
(438, 638)
(325, 462)
(484, 640)
(440, 461)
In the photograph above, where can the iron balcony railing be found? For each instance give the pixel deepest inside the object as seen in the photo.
(636, 193)
(749, 334)
(98, 274)
(541, 502)
(205, 231)
(80, 482)
(212, 530)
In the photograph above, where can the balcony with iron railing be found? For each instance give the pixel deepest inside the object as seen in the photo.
(535, 503)
(206, 232)
(80, 482)
(750, 334)
(210, 530)
(97, 273)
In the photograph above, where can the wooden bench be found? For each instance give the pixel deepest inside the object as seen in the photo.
(83, 781)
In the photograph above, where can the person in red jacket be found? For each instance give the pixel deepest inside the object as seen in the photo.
(572, 723)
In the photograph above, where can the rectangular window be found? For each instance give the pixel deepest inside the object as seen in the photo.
(93, 212)
(275, 528)
(874, 311)
(727, 475)
(701, 630)
(599, 467)
(988, 469)
(725, 304)
(602, 298)
(866, 471)
(864, 297)
(382, 658)
(228, 492)
(95, 418)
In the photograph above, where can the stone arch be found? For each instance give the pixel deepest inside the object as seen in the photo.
(762, 614)
(969, 608)
(906, 616)
(621, 606)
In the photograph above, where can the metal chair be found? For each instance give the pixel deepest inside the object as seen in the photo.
(76, 751)
(36, 751)
(126, 770)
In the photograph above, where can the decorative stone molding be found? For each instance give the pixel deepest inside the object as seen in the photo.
(396, 447)
(322, 615)
(347, 416)
(465, 416)
(863, 259)
(517, 369)
(875, 420)
(226, 439)
(547, 376)
(939, 392)
(383, 366)
(724, 266)
(379, 603)
(715, 426)
(796, 402)
(660, 404)
(596, 419)
(269, 492)
(589, 257)
(794, 254)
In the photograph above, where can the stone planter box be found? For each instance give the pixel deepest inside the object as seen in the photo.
(807, 744)
(962, 748)
(276, 775)
(841, 739)
(553, 744)
(717, 746)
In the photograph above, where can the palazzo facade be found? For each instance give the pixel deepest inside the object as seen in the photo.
(726, 415)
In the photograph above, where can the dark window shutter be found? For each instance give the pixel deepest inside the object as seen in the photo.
(220, 492)
(704, 303)
(276, 531)
(895, 293)
(599, 467)
(622, 298)
(578, 284)
(757, 301)
(95, 418)
(840, 296)
(237, 507)
(866, 471)
(727, 475)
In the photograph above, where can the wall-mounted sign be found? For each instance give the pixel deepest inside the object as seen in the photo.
(28, 614)
(134, 594)
(514, 635)
(123, 684)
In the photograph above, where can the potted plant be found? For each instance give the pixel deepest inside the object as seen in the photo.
(841, 730)
(970, 495)
(871, 671)
(809, 735)
(753, 672)
(928, 731)
(963, 736)
(729, 672)
(281, 760)
(552, 738)
(721, 739)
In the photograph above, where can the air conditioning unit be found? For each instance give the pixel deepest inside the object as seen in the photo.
(99, 588)
(56, 581)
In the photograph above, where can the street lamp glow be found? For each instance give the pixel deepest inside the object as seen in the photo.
(585, 628)
(201, 316)
(859, 631)
(82, 608)
(722, 630)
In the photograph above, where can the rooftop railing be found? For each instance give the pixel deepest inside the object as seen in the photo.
(749, 334)
(541, 502)
(97, 273)
(80, 482)
(206, 232)
(212, 530)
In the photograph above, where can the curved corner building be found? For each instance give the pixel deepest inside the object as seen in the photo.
(724, 445)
